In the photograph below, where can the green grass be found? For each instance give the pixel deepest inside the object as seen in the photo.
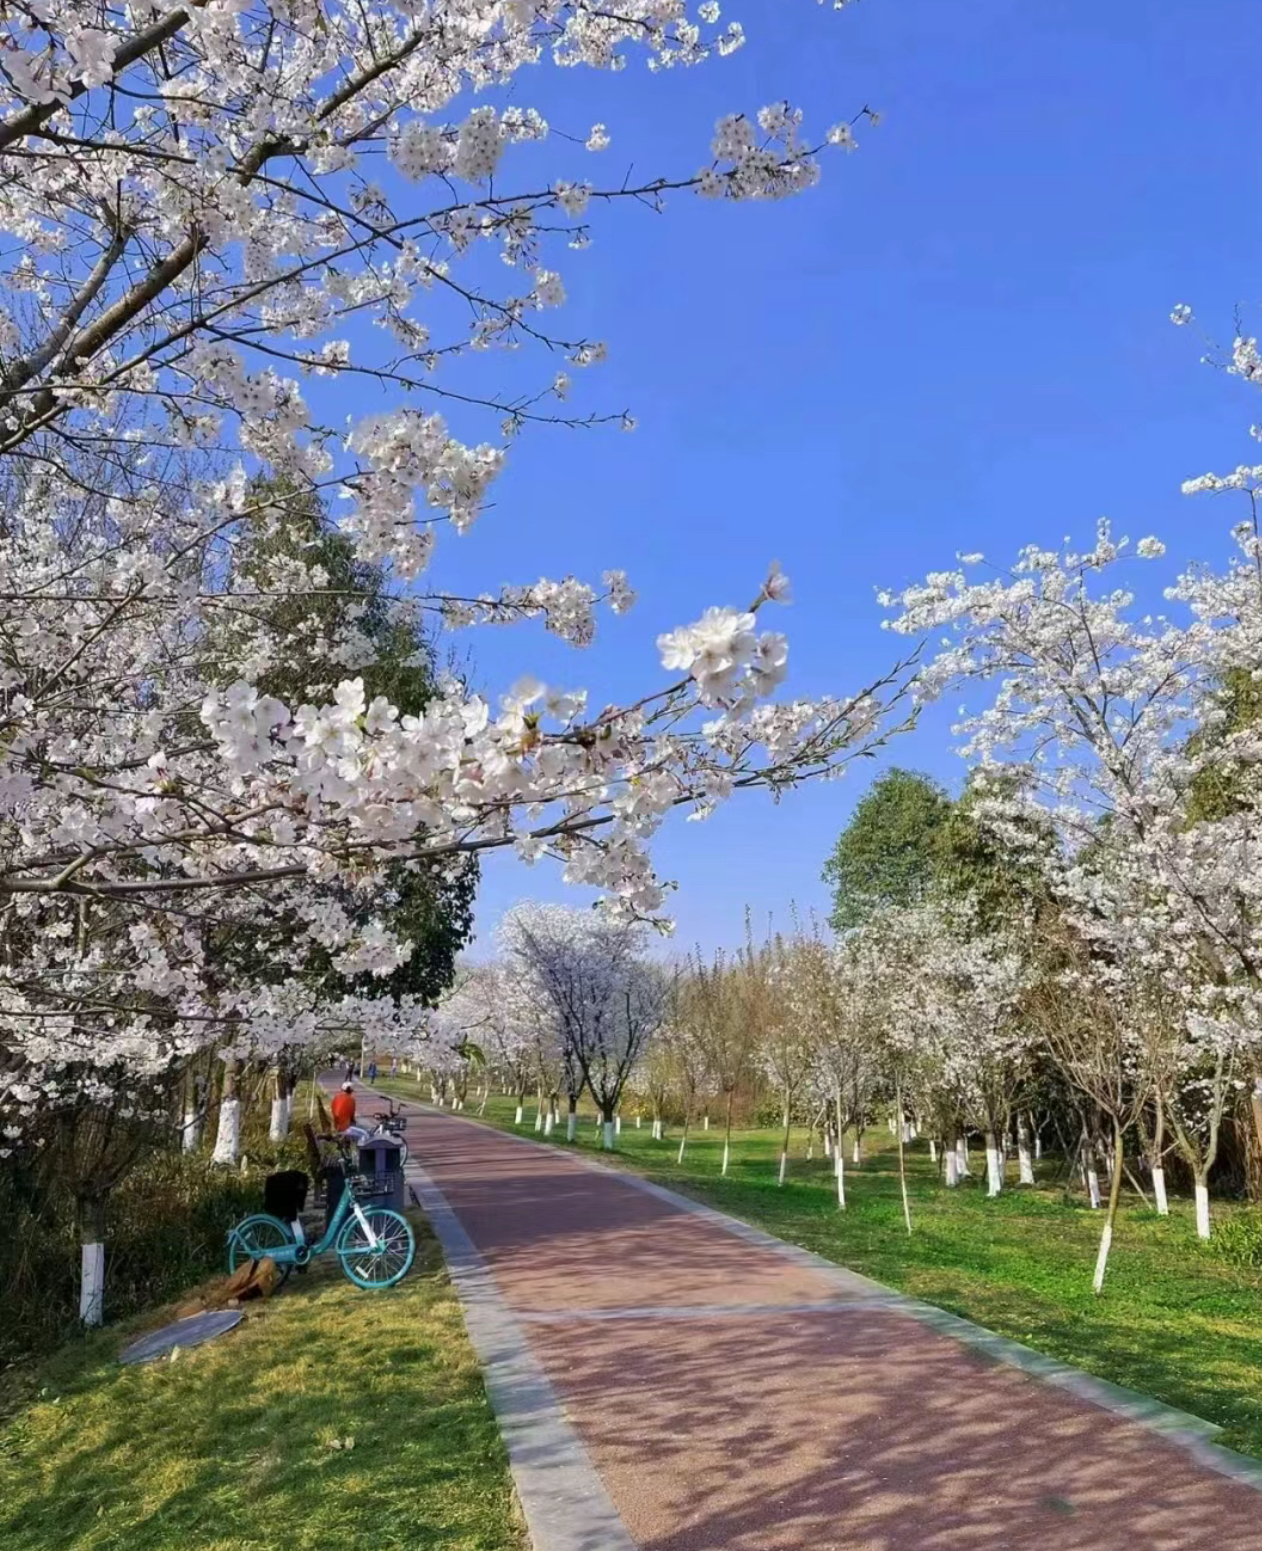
(232, 1446)
(1174, 1322)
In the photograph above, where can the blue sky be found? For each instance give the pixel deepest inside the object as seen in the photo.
(959, 341)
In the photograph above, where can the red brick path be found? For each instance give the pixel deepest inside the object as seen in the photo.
(756, 1428)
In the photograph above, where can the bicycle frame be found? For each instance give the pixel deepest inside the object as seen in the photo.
(300, 1254)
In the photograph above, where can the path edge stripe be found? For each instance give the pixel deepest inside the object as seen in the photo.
(563, 1500)
(1192, 1433)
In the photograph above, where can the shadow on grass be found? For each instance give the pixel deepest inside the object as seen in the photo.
(231, 1447)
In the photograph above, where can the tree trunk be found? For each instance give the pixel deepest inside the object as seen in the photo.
(1158, 1152)
(607, 1130)
(1159, 1191)
(961, 1157)
(902, 1161)
(191, 1119)
(1115, 1191)
(278, 1127)
(994, 1165)
(92, 1261)
(571, 1118)
(784, 1145)
(933, 1151)
(228, 1140)
(727, 1137)
(1200, 1192)
(839, 1157)
(683, 1140)
(1089, 1167)
(952, 1177)
(1024, 1161)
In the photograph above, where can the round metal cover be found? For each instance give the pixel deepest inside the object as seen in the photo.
(184, 1332)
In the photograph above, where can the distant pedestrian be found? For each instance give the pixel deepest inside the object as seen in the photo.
(372, 1071)
(350, 1071)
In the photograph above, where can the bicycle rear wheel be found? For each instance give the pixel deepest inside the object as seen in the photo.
(257, 1236)
(385, 1263)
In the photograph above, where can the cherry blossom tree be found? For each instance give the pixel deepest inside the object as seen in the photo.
(607, 998)
(222, 217)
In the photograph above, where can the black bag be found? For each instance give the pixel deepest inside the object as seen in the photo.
(285, 1194)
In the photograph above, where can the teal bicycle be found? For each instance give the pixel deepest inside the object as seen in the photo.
(374, 1244)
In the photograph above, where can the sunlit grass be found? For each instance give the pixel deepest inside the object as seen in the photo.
(1174, 1322)
(232, 1447)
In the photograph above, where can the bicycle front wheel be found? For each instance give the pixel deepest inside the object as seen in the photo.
(381, 1264)
(257, 1236)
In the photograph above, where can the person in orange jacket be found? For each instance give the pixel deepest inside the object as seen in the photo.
(343, 1108)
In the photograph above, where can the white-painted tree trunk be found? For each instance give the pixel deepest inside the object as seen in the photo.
(683, 1142)
(92, 1284)
(1025, 1163)
(1093, 1185)
(962, 1169)
(994, 1166)
(856, 1156)
(933, 1151)
(1102, 1259)
(191, 1130)
(1201, 1193)
(952, 1168)
(911, 1134)
(705, 1123)
(617, 1125)
(571, 1126)
(608, 1135)
(228, 1138)
(549, 1122)
(517, 1118)
(1159, 1191)
(723, 1170)
(637, 1122)
(784, 1166)
(1038, 1147)
(539, 1120)
(828, 1144)
(841, 1178)
(276, 1126)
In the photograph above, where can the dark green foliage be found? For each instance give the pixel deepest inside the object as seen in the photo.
(1214, 793)
(887, 854)
(429, 905)
(167, 1219)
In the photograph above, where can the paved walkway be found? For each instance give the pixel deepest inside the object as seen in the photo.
(725, 1392)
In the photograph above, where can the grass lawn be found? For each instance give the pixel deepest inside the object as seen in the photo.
(231, 1446)
(1174, 1322)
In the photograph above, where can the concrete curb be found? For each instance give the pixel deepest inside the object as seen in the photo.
(563, 1499)
(1192, 1433)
